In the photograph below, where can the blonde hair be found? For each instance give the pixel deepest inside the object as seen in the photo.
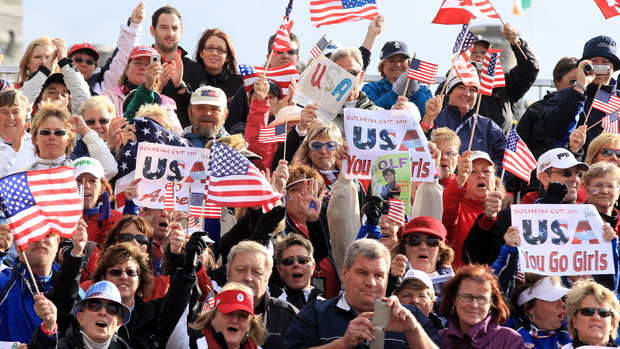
(155, 110)
(444, 134)
(252, 247)
(99, 103)
(598, 143)
(318, 129)
(258, 331)
(47, 110)
(582, 289)
(24, 71)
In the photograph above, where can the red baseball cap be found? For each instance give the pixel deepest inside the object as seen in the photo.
(85, 47)
(142, 51)
(427, 225)
(231, 300)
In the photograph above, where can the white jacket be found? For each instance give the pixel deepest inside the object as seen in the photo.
(100, 151)
(11, 161)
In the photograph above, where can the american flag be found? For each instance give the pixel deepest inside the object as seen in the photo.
(319, 47)
(518, 159)
(196, 208)
(235, 182)
(281, 75)
(492, 74)
(37, 203)
(274, 134)
(326, 12)
(147, 130)
(282, 41)
(606, 102)
(422, 71)
(463, 11)
(465, 50)
(170, 200)
(396, 211)
(610, 123)
(466, 73)
(193, 222)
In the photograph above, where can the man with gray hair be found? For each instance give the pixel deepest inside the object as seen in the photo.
(345, 321)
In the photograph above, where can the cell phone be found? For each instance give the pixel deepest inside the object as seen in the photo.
(380, 319)
(156, 58)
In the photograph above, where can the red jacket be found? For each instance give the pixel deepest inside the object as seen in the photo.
(459, 215)
(98, 230)
(257, 119)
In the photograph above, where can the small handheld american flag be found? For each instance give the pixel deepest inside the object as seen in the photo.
(396, 212)
(319, 47)
(274, 134)
(422, 71)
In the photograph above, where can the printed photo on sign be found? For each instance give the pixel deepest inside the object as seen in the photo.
(160, 165)
(562, 240)
(391, 178)
(374, 133)
(325, 84)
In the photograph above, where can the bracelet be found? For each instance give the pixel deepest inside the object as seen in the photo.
(181, 86)
(49, 333)
(425, 126)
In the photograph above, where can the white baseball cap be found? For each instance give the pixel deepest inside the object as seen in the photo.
(559, 158)
(209, 95)
(478, 154)
(544, 289)
(87, 165)
(413, 274)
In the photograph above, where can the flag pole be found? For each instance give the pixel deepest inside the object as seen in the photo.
(34, 281)
(443, 88)
(202, 214)
(473, 129)
(268, 61)
(188, 210)
(286, 123)
(174, 201)
(504, 24)
(408, 79)
(589, 110)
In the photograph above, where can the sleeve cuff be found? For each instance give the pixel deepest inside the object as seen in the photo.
(485, 223)
(300, 133)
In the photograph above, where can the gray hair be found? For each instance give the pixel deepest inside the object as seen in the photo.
(348, 52)
(368, 248)
(247, 246)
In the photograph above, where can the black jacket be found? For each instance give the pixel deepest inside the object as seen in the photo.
(277, 316)
(228, 81)
(72, 340)
(141, 330)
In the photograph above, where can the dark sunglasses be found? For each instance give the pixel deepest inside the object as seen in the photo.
(118, 272)
(607, 152)
(57, 133)
(290, 260)
(127, 237)
(568, 173)
(354, 72)
(92, 122)
(290, 52)
(78, 60)
(417, 240)
(329, 145)
(590, 312)
(94, 305)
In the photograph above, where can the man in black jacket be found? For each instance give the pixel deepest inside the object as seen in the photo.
(167, 30)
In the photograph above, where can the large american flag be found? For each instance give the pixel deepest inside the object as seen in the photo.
(422, 71)
(606, 102)
(234, 181)
(37, 203)
(274, 134)
(326, 12)
(518, 159)
(280, 75)
(396, 211)
(465, 41)
(282, 41)
(492, 75)
(196, 209)
(316, 50)
(610, 123)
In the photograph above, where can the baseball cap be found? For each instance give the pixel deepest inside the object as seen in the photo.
(480, 38)
(142, 51)
(331, 48)
(87, 165)
(104, 290)
(56, 78)
(156, 99)
(478, 154)
(545, 290)
(209, 95)
(392, 48)
(426, 224)
(412, 274)
(231, 300)
(601, 46)
(84, 47)
(558, 158)
(290, 113)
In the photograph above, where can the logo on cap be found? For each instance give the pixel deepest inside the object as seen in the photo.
(602, 44)
(209, 93)
(396, 44)
(563, 155)
(240, 297)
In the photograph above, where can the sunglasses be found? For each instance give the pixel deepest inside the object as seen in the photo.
(92, 122)
(290, 52)
(416, 241)
(290, 260)
(118, 272)
(329, 145)
(568, 173)
(607, 152)
(127, 237)
(94, 305)
(79, 60)
(57, 133)
(590, 312)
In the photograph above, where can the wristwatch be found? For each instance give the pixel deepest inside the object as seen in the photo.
(181, 86)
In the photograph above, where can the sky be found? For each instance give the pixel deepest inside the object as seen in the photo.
(554, 28)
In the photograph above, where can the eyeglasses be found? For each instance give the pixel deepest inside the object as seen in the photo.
(602, 312)
(415, 240)
(92, 122)
(607, 152)
(79, 60)
(329, 145)
(290, 260)
(601, 186)
(569, 173)
(289, 52)
(127, 237)
(113, 309)
(57, 133)
(354, 72)
(468, 298)
(221, 51)
(449, 154)
(118, 272)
